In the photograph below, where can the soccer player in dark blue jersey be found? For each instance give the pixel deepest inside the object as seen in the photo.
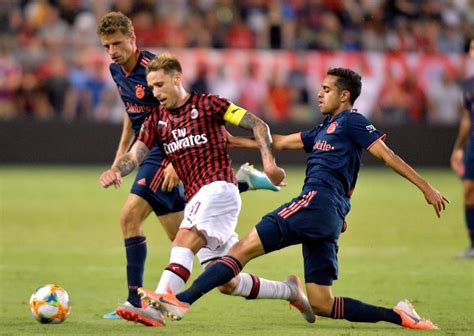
(462, 158)
(315, 218)
(154, 185)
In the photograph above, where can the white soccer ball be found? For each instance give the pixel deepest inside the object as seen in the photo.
(50, 304)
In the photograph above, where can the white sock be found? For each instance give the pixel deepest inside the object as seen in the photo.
(180, 257)
(268, 289)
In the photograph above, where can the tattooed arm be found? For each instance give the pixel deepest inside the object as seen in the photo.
(261, 132)
(124, 165)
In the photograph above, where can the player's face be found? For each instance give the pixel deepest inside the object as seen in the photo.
(329, 96)
(165, 87)
(119, 47)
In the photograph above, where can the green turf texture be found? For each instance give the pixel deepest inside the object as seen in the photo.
(59, 226)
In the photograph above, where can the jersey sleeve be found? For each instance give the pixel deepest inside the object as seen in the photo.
(147, 133)
(361, 130)
(219, 106)
(307, 137)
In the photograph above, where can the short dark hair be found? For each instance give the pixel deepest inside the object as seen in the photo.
(348, 80)
(114, 22)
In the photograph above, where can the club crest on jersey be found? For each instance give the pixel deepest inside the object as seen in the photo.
(139, 91)
(194, 113)
(332, 127)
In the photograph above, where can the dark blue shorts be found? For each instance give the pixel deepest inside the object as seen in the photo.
(469, 161)
(313, 219)
(147, 185)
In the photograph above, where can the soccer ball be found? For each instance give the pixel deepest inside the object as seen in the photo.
(50, 304)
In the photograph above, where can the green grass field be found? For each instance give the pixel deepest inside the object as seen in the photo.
(58, 225)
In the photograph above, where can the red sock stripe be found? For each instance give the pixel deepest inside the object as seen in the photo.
(141, 243)
(255, 287)
(230, 262)
(295, 206)
(179, 270)
(338, 308)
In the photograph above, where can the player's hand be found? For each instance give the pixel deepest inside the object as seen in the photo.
(110, 177)
(170, 178)
(457, 161)
(436, 199)
(275, 174)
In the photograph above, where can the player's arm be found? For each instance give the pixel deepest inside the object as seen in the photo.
(280, 142)
(381, 151)
(124, 165)
(458, 149)
(126, 139)
(244, 119)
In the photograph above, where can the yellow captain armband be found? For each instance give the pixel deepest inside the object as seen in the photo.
(234, 114)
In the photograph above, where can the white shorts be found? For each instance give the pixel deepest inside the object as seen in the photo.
(214, 211)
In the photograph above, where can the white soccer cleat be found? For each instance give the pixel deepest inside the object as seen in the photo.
(254, 178)
(299, 299)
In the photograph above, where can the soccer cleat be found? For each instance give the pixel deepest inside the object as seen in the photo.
(148, 316)
(114, 316)
(111, 316)
(299, 299)
(468, 254)
(411, 319)
(168, 303)
(254, 178)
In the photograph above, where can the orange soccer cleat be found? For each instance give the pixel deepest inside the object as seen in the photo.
(411, 319)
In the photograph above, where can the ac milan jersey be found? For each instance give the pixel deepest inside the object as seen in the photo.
(335, 148)
(193, 138)
(137, 97)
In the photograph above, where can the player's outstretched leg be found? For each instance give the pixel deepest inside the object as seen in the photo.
(411, 319)
(148, 316)
(299, 299)
(254, 178)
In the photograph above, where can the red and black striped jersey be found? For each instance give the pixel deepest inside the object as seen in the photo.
(193, 138)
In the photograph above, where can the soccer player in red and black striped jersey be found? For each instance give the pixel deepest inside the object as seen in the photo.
(189, 128)
(153, 188)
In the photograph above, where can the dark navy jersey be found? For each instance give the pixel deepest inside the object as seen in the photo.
(193, 138)
(133, 88)
(335, 149)
(138, 98)
(468, 97)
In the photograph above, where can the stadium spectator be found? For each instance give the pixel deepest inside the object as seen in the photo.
(316, 217)
(445, 97)
(462, 157)
(35, 28)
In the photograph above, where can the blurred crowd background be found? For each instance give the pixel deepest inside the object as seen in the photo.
(266, 55)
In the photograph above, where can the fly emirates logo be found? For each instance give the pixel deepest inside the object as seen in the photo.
(182, 140)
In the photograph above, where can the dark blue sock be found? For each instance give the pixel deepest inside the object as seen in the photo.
(357, 311)
(243, 186)
(135, 248)
(469, 213)
(221, 272)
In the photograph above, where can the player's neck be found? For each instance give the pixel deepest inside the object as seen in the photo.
(132, 61)
(341, 109)
(183, 97)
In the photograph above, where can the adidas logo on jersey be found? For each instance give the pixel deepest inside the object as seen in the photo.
(142, 182)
